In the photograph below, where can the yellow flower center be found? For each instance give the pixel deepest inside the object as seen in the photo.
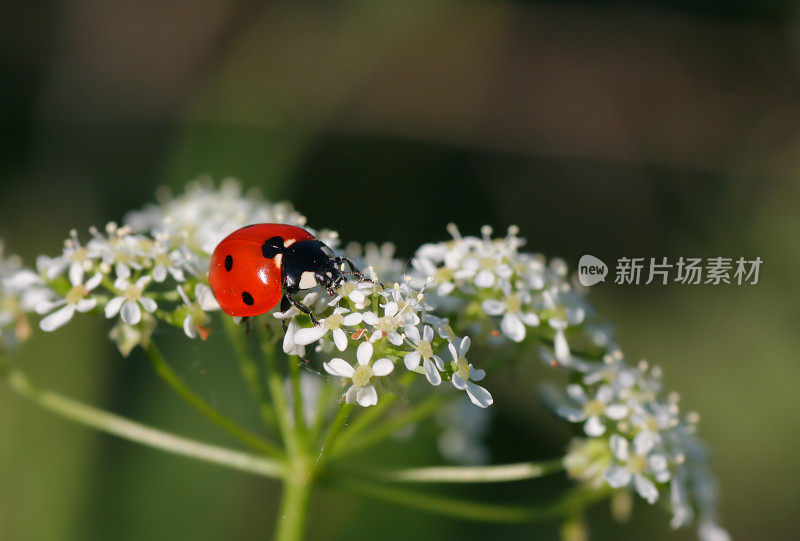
(387, 324)
(513, 304)
(79, 255)
(594, 407)
(362, 375)
(132, 293)
(637, 463)
(76, 294)
(346, 288)
(333, 321)
(488, 263)
(425, 349)
(443, 274)
(462, 368)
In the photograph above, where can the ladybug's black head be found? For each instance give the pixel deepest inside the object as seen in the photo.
(307, 264)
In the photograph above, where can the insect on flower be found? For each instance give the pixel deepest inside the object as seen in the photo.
(257, 266)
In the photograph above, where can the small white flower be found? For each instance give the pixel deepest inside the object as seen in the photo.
(355, 291)
(393, 319)
(593, 409)
(361, 390)
(131, 300)
(464, 374)
(432, 364)
(332, 324)
(76, 299)
(515, 316)
(75, 257)
(636, 464)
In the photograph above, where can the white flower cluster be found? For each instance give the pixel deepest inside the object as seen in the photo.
(483, 276)
(154, 266)
(633, 437)
(380, 328)
(20, 291)
(637, 439)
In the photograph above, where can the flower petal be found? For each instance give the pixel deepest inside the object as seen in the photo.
(364, 353)
(339, 367)
(493, 307)
(645, 488)
(57, 318)
(307, 335)
(113, 306)
(131, 313)
(617, 476)
(412, 359)
(148, 304)
(512, 326)
(382, 367)
(478, 395)
(619, 446)
(367, 396)
(594, 427)
(431, 373)
(84, 305)
(340, 339)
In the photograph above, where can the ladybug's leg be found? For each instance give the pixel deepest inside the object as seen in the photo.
(246, 324)
(303, 308)
(353, 269)
(285, 305)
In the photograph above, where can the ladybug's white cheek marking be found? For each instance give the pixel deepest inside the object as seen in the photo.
(307, 280)
(279, 260)
(288, 242)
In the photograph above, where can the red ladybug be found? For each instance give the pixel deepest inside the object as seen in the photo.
(257, 266)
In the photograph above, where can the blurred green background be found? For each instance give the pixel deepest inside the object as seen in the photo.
(617, 128)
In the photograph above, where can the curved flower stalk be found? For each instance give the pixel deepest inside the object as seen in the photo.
(394, 340)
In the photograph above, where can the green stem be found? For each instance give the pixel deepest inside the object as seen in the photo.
(336, 427)
(249, 369)
(473, 474)
(372, 414)
(470, 510)
(297, 402)
(275, 384)
(295, 500)
(166, 373)
(383, 431)
(137, 432)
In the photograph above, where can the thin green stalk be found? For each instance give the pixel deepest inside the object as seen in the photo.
(298, 487)
(336, 427)
(297, 399)
(470, 510)
(472, 474)
(372, 414)
(386, 429)
(250, 372)
(275, 384)
(320, 414)
(136, 432)
(166, 373)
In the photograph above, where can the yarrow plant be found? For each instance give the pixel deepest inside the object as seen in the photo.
(386, 354)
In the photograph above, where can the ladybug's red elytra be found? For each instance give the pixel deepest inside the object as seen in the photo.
(257, 266)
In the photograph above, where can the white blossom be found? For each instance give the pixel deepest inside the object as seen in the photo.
(77, 299)
(464, 374)
(361, 389)
(131, 300)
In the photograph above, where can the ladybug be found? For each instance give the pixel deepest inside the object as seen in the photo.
(257, 266)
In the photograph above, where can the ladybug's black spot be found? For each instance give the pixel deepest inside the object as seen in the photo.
(247, 298)
(228, 262)
(272, 247)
